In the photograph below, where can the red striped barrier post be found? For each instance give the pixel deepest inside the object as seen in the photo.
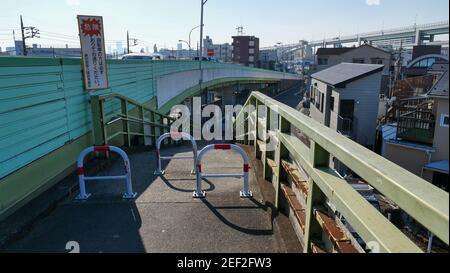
(245, 193)
(175, 135)
(82, 178)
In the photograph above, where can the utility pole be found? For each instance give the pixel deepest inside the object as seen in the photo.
(128, 42)
(23, 37)
(135, 42)
(203, 2)
(32, 33)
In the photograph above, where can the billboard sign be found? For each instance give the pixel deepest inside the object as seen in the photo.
(93, 53)
(210, 52)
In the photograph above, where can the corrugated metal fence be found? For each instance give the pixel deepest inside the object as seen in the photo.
(43, 104)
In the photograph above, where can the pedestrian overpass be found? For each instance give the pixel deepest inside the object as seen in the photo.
(297, 202)
(47, 117)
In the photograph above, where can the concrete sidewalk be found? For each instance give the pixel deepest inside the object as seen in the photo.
(164, 217)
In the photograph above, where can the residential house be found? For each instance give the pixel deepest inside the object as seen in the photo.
(418, 139)
(345, 98)
(365, 54)
(327, 57)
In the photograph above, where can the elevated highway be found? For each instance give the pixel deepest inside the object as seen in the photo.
(416, 34)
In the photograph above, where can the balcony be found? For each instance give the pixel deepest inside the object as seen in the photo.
(416, 125)
(345, 126)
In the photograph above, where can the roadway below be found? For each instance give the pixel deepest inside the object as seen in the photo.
(292, 96)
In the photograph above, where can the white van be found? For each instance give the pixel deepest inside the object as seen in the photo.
(142, 56)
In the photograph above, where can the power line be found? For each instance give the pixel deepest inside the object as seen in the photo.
(31, 32)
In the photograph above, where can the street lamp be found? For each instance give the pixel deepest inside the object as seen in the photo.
(189, 45)
(190, 32)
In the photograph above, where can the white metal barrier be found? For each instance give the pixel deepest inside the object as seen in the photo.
(82, 178)
(174, 135)
(245, 193)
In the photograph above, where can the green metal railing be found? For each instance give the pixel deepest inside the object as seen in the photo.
(129, 112)
(426, 203)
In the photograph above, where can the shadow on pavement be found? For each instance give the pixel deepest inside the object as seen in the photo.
(257, 232)
(171, 186)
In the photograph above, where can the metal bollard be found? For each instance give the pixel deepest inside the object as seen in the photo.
(245, 193)
(129, 194)
(159, 158)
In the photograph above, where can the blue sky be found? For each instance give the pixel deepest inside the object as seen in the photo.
(164, 22)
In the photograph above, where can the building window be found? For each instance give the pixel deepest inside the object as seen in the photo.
(376, 61)
(251, 59)
(322, 102)
(319, 100)
(251, 43)
(251, 51)
(444, 120)
(358, 61)
(332, 103)
(323, 61)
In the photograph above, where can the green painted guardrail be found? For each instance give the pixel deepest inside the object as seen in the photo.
(426, 203)
(129, 112)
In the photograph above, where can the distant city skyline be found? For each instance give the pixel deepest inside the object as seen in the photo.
(165, 22)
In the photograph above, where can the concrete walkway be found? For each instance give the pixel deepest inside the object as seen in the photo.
(164, 217)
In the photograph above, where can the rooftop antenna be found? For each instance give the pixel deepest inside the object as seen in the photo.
(240, 30)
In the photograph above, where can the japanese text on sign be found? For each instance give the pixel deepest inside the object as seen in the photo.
(93, 52)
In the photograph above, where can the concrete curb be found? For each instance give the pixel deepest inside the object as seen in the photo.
(283, 230)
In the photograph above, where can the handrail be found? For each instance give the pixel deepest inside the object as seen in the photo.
(423, 201)
(158, 123)
(131, 101)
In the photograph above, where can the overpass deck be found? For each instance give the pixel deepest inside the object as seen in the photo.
(164, 217)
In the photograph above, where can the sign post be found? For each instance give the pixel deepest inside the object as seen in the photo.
(92, 39)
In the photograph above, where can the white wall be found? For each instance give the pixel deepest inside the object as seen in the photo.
(315, 112)
(365, 92)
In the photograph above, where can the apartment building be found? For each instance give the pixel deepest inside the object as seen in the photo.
(222, 52)
(246, 50)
